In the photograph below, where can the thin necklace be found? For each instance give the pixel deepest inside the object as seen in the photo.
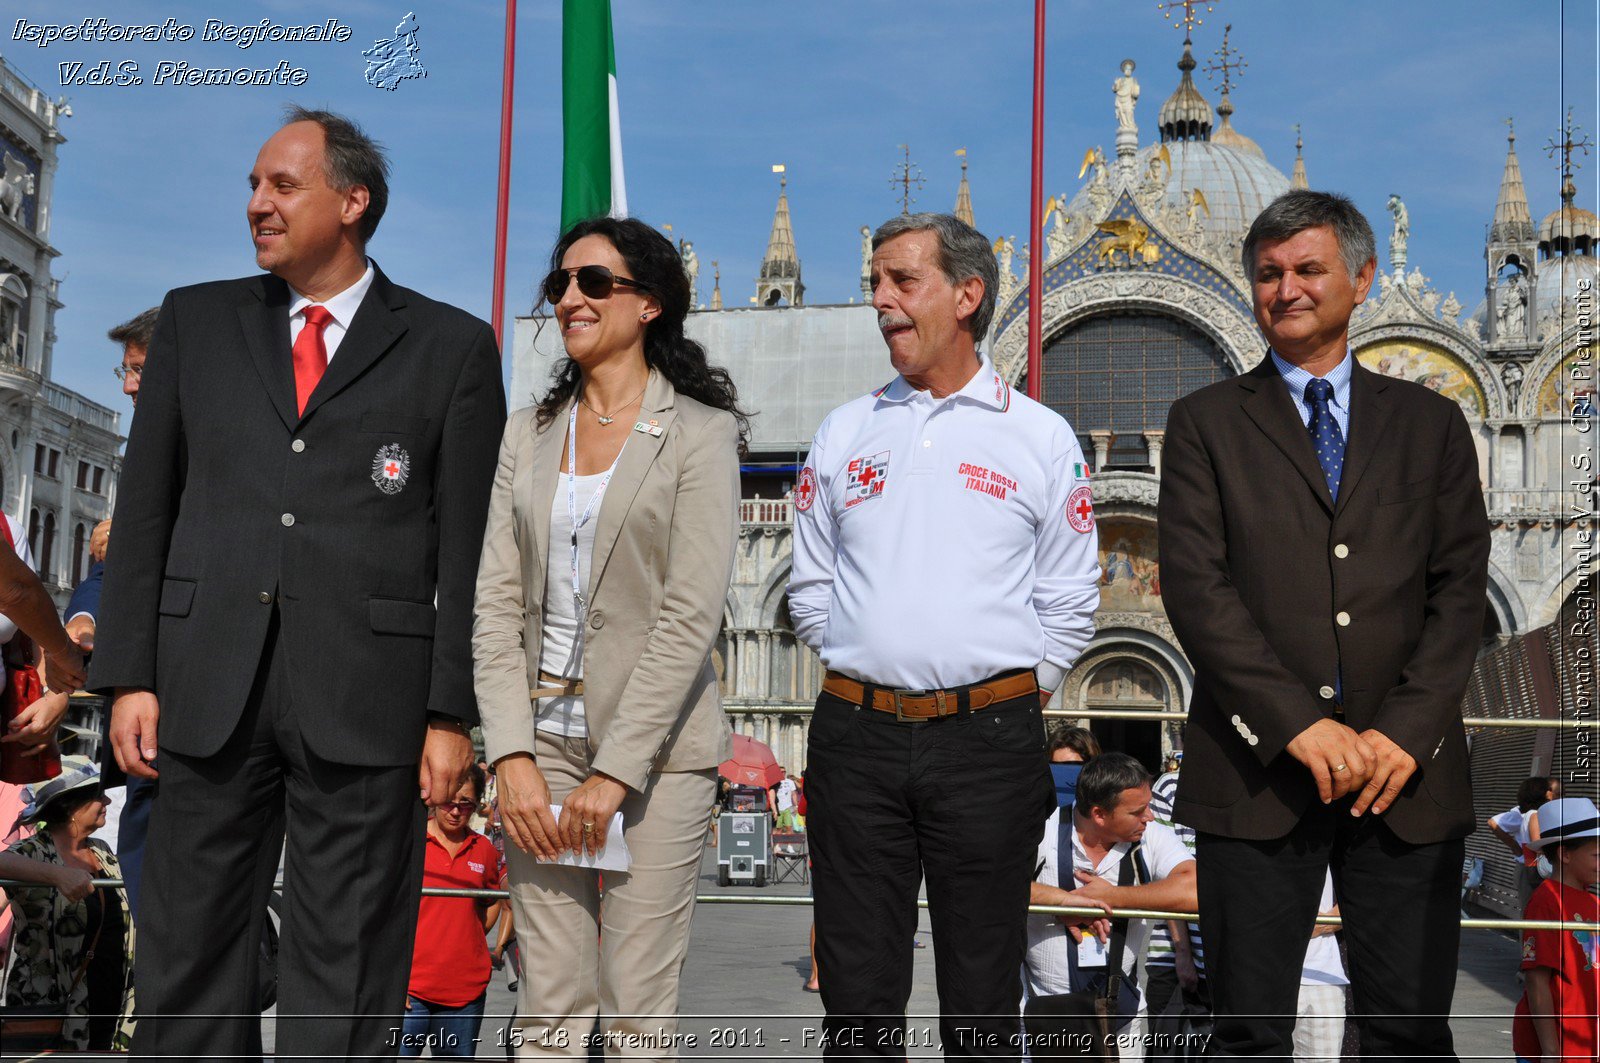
(607, 418)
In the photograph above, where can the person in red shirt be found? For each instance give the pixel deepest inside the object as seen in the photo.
(450, 961)
(1556, 1018)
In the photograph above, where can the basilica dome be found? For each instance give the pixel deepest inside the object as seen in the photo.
(1235, 177)
(1559, 282)
(1207, 155)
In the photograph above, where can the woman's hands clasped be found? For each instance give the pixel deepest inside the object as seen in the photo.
(587, 812)
(525, 807)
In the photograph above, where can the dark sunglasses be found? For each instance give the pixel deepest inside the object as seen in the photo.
(460, 808)
(595, 282)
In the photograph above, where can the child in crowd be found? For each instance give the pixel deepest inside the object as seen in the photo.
(1556, 1017)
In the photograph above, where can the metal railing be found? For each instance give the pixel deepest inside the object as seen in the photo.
(1467, 922)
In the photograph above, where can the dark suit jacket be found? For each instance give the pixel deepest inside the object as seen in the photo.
(1255, 584)
(232, 506)
(86, 596)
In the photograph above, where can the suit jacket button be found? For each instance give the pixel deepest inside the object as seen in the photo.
(1341, 550)
(598, 620)
(1343, 619)
(265, 597)
(288, 520)
(1253, 740)
(1236, 720)
(298, 446)
(1326, 692)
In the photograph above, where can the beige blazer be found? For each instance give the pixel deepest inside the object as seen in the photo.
(658, 582)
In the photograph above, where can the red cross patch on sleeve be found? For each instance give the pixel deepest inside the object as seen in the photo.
(805, 492)
(1080, 510)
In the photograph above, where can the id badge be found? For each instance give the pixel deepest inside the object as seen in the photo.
(1091, 953)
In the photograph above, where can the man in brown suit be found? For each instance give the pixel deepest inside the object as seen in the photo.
(1324, 554)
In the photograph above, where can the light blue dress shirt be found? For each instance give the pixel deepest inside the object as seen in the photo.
(1296, 379)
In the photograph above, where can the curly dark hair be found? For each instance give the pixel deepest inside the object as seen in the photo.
(654, 263)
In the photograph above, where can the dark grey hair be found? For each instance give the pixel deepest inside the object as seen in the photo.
(350, 158)
(1105, 777)
(964, 252)
(1300, 209)
(136, 331)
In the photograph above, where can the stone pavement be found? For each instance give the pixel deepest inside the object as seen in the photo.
(742, 995)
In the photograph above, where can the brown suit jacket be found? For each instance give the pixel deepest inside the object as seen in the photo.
(1259, 565)
(658, 583)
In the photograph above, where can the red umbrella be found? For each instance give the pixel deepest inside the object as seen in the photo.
(752, 764)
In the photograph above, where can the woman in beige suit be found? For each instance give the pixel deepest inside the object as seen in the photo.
(605, 567)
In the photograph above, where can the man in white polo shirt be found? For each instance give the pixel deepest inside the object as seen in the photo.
(945, 571)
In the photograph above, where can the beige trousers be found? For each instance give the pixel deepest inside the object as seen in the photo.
(621, 957)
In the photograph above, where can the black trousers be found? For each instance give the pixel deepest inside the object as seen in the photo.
(1400, 907)
(961, 800)
(352, 882)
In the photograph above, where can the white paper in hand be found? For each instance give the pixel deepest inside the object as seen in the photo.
(613, 856)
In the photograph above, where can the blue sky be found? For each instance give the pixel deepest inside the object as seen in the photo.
(1406, 98)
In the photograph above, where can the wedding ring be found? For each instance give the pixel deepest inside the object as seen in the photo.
(1340, 767)
(587, 827)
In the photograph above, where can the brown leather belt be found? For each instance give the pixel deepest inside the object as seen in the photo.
(931, 704)
(556, 686)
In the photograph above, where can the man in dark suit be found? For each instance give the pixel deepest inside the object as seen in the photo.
(288, 606)
(133, 336)
(1324, 553)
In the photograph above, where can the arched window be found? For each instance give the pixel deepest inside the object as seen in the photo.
(1121, 372)
(1127, 683)
(33, 534)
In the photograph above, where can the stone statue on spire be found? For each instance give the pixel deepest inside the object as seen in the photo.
(691, 266)
(1401, 235)
(866, 262)
(1126, 88)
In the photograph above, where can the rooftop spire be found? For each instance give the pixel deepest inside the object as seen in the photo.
(1229, 65)
(1512, 219)
(1567, 147)
(1298, 178)
(964, 193)
(907, 175)
(1569, 228)
(780, 270)
(716, 286)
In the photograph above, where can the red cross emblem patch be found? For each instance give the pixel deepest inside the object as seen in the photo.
(865, 478)
(1080, 510)
(391, 465)
(805, 492)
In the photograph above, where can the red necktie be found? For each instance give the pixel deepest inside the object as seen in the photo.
(310, 354)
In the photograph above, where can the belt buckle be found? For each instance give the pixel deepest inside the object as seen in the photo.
(938, 697)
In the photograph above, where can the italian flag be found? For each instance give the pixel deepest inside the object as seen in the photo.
(591, 175)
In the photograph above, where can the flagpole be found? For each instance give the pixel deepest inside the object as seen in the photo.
(1036, 206)
(497, 300)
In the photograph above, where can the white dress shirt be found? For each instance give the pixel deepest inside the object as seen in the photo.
(933, 543)
(1296, 379)
(343, 307)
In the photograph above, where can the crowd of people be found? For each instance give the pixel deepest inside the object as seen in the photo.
(334, 556)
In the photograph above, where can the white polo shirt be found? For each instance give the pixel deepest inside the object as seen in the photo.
(940, 541)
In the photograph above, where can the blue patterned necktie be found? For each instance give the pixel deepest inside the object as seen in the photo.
(1325, 435)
